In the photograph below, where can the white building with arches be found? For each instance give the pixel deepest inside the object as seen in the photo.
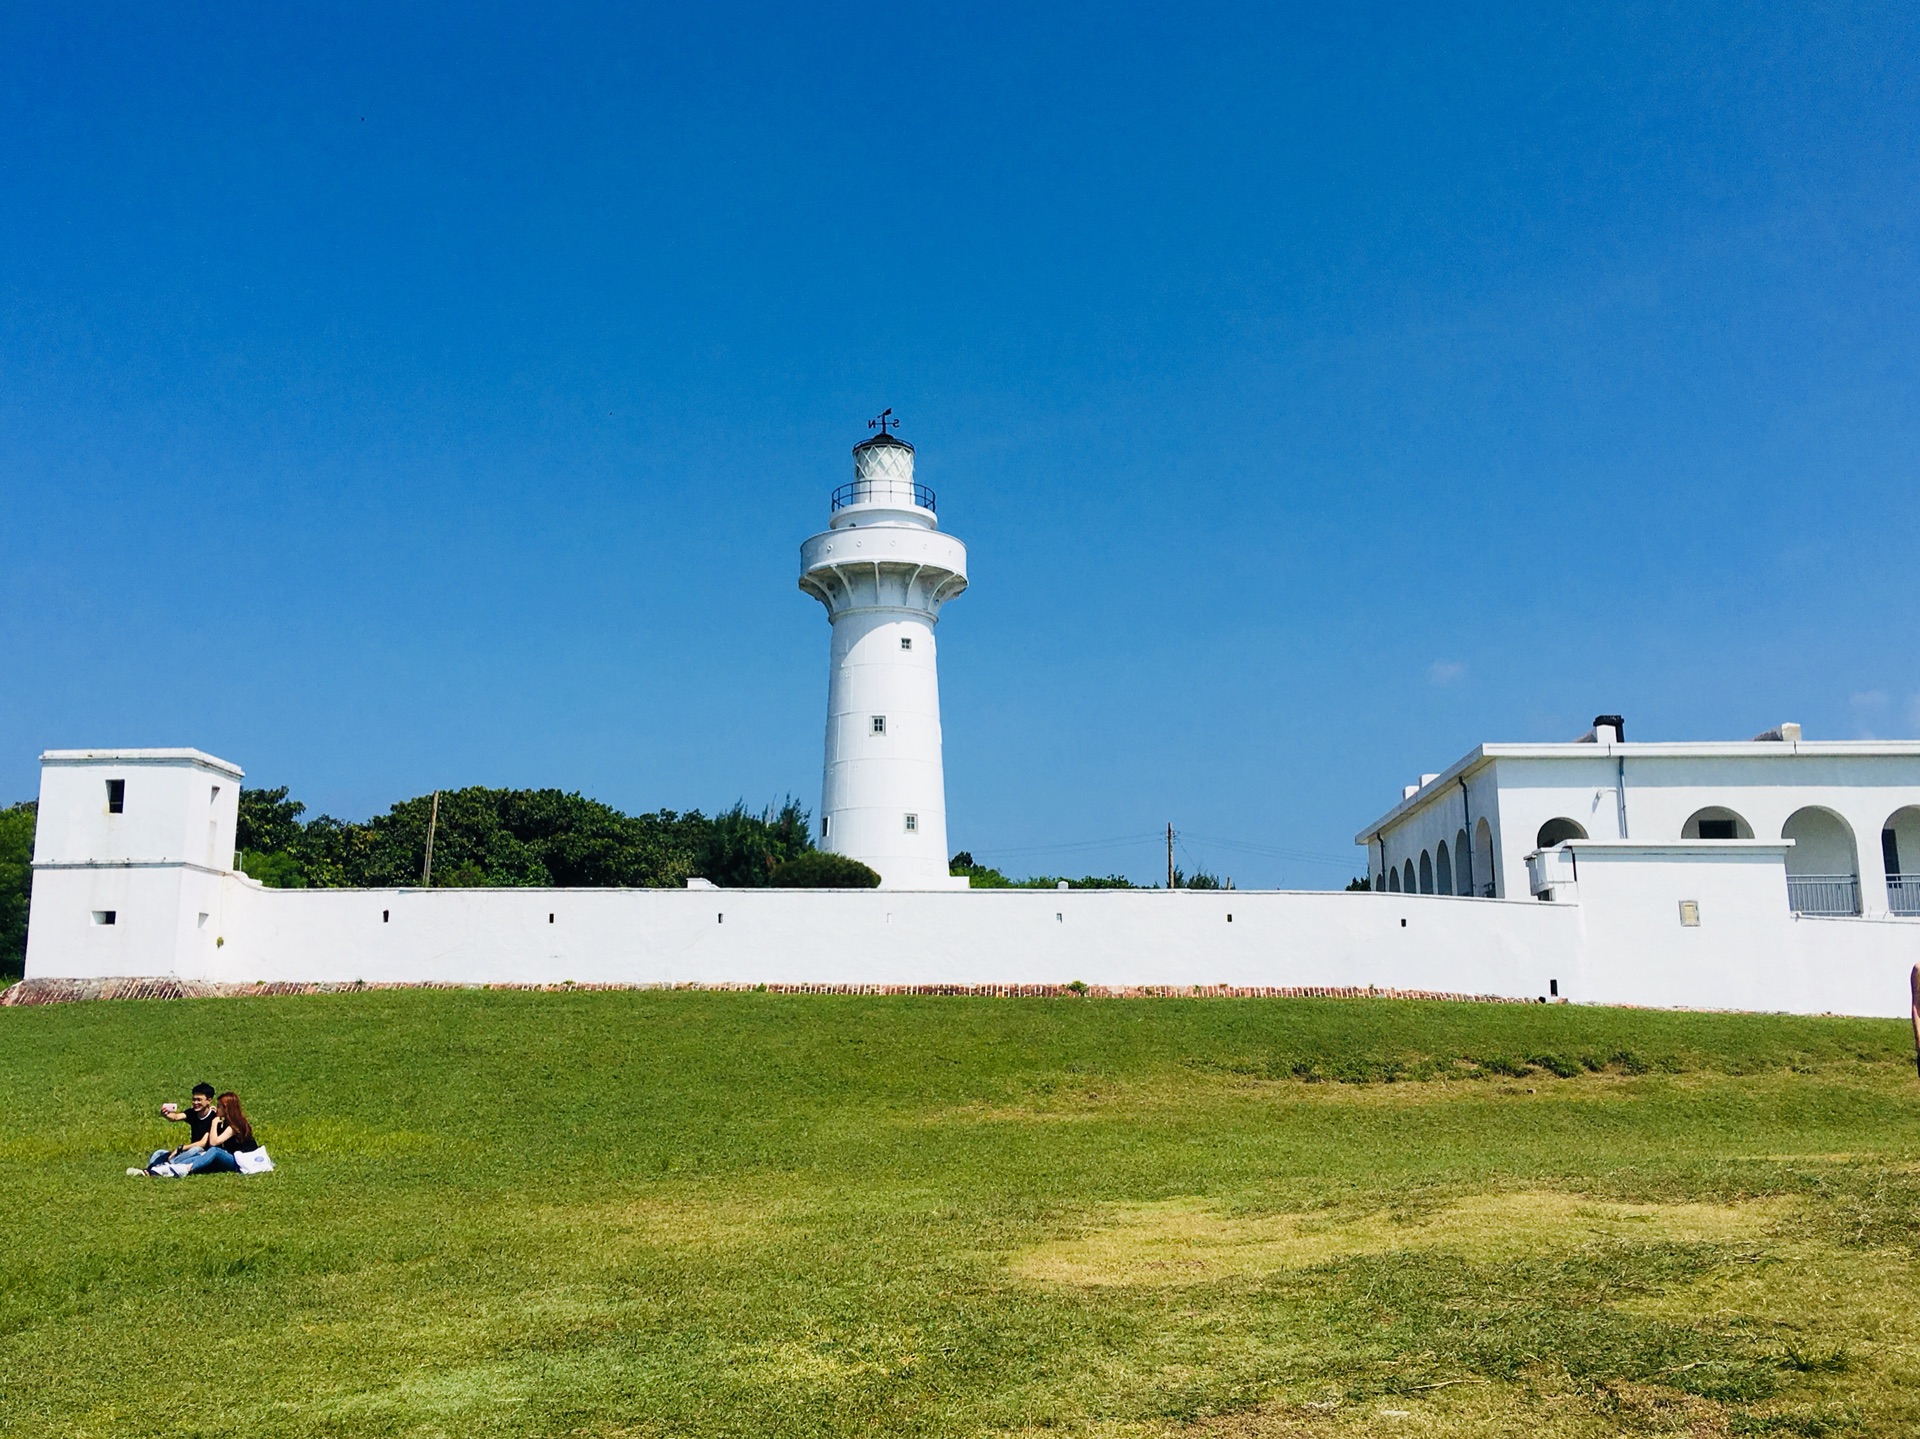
(1840, 818)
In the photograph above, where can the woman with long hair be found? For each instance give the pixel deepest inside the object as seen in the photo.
(233, 1120)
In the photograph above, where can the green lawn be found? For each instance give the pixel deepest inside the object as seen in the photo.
(704, 1214)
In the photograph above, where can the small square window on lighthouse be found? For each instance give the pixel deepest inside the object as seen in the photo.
(116, 796)
(906, 642)
(879, 724)
(913, 824)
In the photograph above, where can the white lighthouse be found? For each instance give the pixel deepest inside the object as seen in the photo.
(883, 570)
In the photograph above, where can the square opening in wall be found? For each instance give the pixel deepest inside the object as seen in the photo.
(913, 824)
(1690, 912)
(879, 724)
(906, 642)
(116, 796)
(106, 916)
(204, 917)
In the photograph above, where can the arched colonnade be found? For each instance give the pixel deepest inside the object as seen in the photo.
(1823, 867)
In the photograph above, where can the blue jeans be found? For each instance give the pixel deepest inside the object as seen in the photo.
(212, 1160)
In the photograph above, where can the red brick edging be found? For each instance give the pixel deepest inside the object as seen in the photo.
(64, 991)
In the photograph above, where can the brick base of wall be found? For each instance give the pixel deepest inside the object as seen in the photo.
(66, 991)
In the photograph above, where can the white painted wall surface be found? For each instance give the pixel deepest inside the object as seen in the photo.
(1748, 951)
(181, 806)
(1108, 937)
(155, 868)
(157, 927)
(873, 781)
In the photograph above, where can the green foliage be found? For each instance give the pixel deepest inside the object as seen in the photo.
(742, 851)
(269, 822)
(818, 869)
(982, 876)
(1199, 879)
(276, 869)
(985, 877)
(506, 837)
(1361, 885)
(16, 883)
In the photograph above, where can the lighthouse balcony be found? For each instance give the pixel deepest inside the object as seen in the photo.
(888, 568)
(884, 491)
(885, 545)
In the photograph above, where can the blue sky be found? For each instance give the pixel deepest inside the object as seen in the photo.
(396, 398)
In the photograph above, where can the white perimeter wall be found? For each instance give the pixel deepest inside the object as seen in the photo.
(1622, 943)
(1614, 937)
(1748, 951)
(603, 936)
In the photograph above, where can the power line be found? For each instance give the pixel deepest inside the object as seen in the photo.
(1075, 844)
(1267, 851)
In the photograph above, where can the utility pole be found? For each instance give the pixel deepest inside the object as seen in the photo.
(1169, 854)
(433, 820)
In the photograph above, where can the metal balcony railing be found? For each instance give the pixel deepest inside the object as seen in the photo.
(1823, 893)
(1903, 893)
(883, 492)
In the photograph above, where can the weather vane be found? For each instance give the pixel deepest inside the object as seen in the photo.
(885, 421)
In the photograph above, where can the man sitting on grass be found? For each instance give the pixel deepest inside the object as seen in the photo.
(198, 1118)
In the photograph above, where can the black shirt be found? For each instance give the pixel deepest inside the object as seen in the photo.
(233, 1144)
(199, 1124)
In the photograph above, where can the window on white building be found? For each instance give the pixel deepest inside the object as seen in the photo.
(1715, 822)
(106, 916)
(906, 642)
(913, 824)
(879, 724)
(116, 804)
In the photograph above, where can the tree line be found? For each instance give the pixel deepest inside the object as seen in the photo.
(986, 877)
(16, 883)
(507, 837)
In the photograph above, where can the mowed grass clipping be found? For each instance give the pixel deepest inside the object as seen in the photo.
(619, 1214)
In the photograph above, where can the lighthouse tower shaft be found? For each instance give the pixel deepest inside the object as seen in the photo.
(883, 570)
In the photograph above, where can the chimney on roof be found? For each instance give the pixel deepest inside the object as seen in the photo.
(1789, 732)
(1609, 729)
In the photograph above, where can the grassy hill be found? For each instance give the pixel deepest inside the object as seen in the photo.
(625, 1214)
